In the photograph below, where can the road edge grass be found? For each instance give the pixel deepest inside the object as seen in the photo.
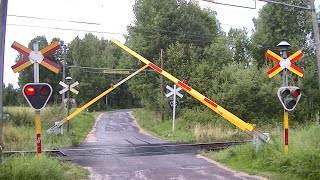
(22, 136)
(189, 127)
(301, 162)
(31, 167)
(270, 161)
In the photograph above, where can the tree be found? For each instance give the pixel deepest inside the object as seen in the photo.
(278, 23)
(167, 25)
(88, 55)
(240, 45)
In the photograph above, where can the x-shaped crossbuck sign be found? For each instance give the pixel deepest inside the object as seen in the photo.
(66, 87)
(172, 91)
(38, 57)
(285, 63)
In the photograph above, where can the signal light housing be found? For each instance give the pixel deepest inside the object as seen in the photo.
(37, 94)
(289, 97)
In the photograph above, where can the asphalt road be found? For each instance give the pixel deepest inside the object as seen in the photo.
(116, 131)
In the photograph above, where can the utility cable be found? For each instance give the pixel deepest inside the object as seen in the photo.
(65, 29)
(285, 4)
(32, 17)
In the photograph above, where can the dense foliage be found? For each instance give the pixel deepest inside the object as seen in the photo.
(229, 68)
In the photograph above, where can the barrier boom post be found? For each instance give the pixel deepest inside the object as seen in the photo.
(246, 127)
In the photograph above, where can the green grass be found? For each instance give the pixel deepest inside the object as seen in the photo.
(302, 161)
(191, 126)
(19, 134)
(44, 168)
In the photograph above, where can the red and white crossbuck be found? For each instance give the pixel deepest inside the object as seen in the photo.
(38, 57)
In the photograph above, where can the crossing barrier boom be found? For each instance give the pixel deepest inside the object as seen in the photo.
(246, 127)
(68, 118)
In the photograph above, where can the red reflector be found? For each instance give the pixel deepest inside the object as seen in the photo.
(29, 91)
(44, 90)
(185, 81)
(295, 93)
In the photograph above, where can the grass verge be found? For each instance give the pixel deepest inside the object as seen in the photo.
(31, 167)
(302, 161)
(19, 131)
(191, 126)
(19, 134)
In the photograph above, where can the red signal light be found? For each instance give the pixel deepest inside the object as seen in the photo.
(295, 93)
(44, 90)
(29, 90)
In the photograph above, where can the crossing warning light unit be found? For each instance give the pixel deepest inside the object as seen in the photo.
(37, 94)
(289, 97)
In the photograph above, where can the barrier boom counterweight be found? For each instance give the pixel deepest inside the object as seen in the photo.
(248, 128)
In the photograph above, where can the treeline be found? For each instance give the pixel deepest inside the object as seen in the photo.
(229, 68)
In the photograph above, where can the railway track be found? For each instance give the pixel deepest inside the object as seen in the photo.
(134, 150)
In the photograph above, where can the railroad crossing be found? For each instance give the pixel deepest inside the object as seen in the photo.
(289, 96)
(239, 123)
(37, 94)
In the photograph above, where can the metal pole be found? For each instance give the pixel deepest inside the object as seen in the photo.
(286, 131)
(37, 113)
(38, 133)
(36, 64)
(161, 82)
(68, 107)
(316, 35)
(3, 23)
(174, 106)
(284, 55)
(64, 72)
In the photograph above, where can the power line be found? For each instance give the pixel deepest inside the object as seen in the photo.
(66, 29)
(33, 17)
(255, 5)
(285, 4)
(233, 5)
(147, 30)
(103, 68)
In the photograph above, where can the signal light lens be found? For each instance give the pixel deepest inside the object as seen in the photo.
(291, 104)
(29, 90)
(295, 93)
(44, 90)
(285, 93)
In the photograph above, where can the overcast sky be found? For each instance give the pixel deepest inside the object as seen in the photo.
(108, 18)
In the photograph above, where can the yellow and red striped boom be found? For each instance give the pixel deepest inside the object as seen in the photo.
(246, 127)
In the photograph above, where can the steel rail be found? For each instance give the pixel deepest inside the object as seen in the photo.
(197, 146)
